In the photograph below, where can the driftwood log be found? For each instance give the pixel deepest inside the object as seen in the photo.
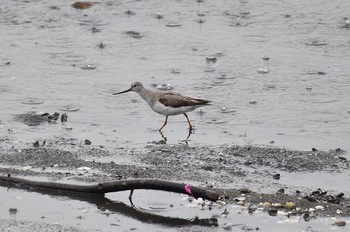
(116, 186)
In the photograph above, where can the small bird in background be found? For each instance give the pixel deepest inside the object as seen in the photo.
(167, 103)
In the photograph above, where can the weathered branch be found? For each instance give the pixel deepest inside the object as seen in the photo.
(120, 185)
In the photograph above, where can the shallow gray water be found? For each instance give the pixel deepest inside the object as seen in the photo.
(154, 214)
(302, 102)
(47, 43)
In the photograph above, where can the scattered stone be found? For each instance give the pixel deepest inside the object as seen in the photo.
(173, 25)
(290, 205)
(87, 142)
(134, 34)
(64, 117)
(272, 212)
(227, 226)
(319, 207)
(129, 12)
(36, 144)
(266, 58)
(339, 223)
(212, 59)
(53, 117)
(13, 210)
(95, 30)
(159, 16)
(88, 67)
(263, 70)
(253, 101)
(82, 5)
(101, 45)
(308, 88)
(276, 176)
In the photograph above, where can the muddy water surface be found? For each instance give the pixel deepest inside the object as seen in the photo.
(302, 101)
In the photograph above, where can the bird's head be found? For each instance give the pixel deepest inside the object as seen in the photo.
(136, 87)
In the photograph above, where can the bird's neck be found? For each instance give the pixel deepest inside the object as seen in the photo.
(146, 95)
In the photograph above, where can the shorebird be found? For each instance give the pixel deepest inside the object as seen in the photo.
(167, 103)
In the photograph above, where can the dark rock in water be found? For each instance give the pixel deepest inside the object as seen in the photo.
(36, 144)
(306, 217)
(53, 117)
(64, 117)
(129, 12)
(95, 30)
(87, 142)
(280, 191)
(134, 34)
(276, 176)
(272, 211)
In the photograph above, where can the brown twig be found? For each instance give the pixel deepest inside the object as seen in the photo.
(116, 186)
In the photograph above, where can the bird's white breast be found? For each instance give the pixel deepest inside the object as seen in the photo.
(167, 110)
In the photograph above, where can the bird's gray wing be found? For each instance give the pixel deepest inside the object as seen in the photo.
(177, 100)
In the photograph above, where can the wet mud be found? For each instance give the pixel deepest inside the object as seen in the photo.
(237, 172)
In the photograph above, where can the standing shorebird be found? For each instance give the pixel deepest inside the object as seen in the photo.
(167, 103)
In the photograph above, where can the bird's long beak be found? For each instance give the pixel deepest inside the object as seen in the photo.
(128, 90)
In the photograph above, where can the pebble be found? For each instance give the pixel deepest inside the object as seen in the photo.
(173, 25)
(13, 210)
(134, 34)
(290, 205)
(81, 5)
(266, 58)
(252, 101)
(87, 142)
(227, 226)
(276, 176)
(211, 59)
(339, 223)
(319, 207)
(263, 70)
(88, 67)
(308, 88)
(272, 211)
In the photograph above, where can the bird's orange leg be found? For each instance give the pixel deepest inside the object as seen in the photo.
(189, 123)
(166, 121)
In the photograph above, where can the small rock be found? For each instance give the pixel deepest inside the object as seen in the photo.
(95, 30)
(266, 58)
(319, 207)
(266, 205)
(64, 117)
(88, 67)
(211, 59)
(13, 210)
(87, 142)
(280, 191)
(339, 223)
(272, 211)
(290, 205)
(53, 117)
(82, 5)
(263, 70)
(129, 12)
(276, 176)
(173, 25)
(308, 88)
(227, 226)
(253, 102)
(36, 144)
(314, 149)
